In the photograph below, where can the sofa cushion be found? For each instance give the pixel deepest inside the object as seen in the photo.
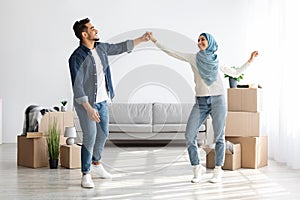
(134, 128)
(160, 128)
(171, 113)
(130, 113)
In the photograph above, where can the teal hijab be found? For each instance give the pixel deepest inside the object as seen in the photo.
(207, 61)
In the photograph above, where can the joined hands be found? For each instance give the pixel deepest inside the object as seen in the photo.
(148, 36)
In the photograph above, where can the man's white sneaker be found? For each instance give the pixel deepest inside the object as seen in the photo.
(87, 182)
(198, 170)
(100, 171)
(217, 176)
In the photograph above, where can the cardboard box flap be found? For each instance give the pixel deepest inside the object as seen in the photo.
(34, 134)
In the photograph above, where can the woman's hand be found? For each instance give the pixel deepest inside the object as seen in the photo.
(253, 55)
(151, 36)
(145, 37)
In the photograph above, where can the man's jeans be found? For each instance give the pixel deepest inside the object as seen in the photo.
(94, 134)
(216, 107)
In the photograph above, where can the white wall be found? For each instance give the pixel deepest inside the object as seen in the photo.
(37, 39)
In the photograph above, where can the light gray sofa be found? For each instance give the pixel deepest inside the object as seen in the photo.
(149, 121)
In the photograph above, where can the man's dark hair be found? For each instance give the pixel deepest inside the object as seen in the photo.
(79, 27)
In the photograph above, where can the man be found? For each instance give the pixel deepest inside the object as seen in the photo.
(92, 87)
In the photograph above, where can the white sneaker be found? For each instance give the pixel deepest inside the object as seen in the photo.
(87, 182)
(100, 171)
(217, 176)
(198, 170)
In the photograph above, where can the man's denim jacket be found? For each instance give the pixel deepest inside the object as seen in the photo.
(83, 69)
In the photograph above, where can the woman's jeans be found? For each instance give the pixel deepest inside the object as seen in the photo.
(204, 106)
(94, 134)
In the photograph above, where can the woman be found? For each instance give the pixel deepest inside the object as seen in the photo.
(210, 99)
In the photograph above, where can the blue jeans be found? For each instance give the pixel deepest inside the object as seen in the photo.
(204, 106)
(94, 135)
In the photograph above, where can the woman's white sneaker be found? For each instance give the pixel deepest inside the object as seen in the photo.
(87, 182)
(198, 170)
(100, 171)
(217, 175)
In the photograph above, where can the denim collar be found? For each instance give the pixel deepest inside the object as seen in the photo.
(85, 49)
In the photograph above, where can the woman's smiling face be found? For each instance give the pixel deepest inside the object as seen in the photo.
(202, 42)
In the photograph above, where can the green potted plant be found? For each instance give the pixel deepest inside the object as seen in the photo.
(63, 106)
(53, 139)
(233, 81)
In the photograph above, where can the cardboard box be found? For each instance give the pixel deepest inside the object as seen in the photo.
(254, 150)
(245, 124)
(32, 152)
(62, 140)
(63, 119)
(232, 160)
(244, 99)
(70, 156)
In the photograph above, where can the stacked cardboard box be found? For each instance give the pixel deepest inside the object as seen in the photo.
(63, 119)
(32, 149)
(244, 125)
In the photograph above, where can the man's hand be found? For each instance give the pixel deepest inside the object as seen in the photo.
(144, 38)
(91, 112)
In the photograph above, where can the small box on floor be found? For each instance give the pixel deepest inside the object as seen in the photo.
(254, 150)
(32, 152)
(70, 156)
(232, 160)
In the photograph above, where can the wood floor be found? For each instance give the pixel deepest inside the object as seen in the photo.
(144, 173)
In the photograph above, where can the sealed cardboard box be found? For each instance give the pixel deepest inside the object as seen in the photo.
(32, 152)
(63, 119)
(244, 99)
(70, 156)
(232, 160)
(243, 124)
(254, 150)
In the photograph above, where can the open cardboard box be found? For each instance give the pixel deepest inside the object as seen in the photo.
(32, 152)
(254, 150)
(232, 160)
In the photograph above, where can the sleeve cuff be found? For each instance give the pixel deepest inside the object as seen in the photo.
(129, 46)
(82, 100)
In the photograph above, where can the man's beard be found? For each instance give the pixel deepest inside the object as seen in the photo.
(96, 39)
